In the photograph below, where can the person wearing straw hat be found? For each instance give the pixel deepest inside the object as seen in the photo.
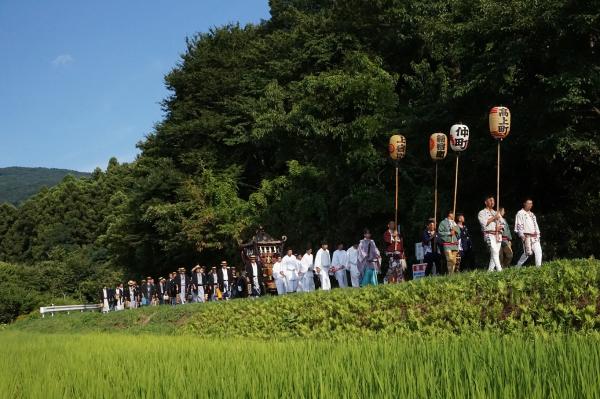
(161, 291)
(489, 220)
(183, 285)
(254, 273)
(172, 288)
(198, 284)
(131, 295)
(225, 279)
(212, 282)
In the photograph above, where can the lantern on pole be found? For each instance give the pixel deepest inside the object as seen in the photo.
(499, 119)
(459, 141)
(397, 150)
(438, 148)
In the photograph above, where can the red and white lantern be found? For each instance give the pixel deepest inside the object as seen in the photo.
(438, 146)
(499, 122)
(459, 137)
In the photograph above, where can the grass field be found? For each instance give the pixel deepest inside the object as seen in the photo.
(529, 333)
(142, 366)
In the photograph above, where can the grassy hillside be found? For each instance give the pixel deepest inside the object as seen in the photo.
(17, 183)
(562, 296)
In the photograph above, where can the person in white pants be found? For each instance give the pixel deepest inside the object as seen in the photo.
(322, 265)
(290, 269)
(527, 229)
(352, 265)
(280, 277)
(489, 221)
(338, 263)
(307, 269)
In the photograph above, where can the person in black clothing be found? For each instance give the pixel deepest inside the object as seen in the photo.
(467, 260)
(254, 274)
(431, 248)
(161, 291)
(225, 279)
(172, 288)
(240, 289)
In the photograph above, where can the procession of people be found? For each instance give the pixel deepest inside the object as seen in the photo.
(447, 249)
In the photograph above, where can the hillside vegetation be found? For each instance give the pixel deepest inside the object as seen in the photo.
(562, 296)
(18, 184)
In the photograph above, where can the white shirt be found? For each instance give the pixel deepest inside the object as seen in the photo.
(277, 269)
(289, 263)
(307, 262)
(526, 223)
(225, 276)
(322, 259)
(340, 259)
(483, 217)
(352, 260)
(254, 269)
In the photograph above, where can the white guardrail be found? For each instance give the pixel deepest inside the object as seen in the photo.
(68, 308)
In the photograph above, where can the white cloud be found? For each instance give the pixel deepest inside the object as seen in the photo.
(62, 60)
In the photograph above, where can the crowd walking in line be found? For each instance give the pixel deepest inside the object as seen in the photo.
(359, 265)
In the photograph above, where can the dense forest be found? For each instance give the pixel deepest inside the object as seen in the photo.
(285, 124)
(18, 184)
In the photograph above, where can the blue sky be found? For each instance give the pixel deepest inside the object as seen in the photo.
(81, 81)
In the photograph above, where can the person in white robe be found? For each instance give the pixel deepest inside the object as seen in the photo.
(290, 266)
(489, 220)
(119, 298)
(527, 229)
(301, 273)
(307, 268)
(352, 265)
(338, 264)
(322, 266)
(280, 277)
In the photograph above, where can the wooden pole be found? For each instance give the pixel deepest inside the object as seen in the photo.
(455, 184)
(435, 195)
(396, 203)
(498, 179)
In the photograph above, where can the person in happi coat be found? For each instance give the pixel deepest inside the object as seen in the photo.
(119, 297)
(352, 265)
(369, 260)
(491, 228)
(279, 275)
(322, 266)
(431, 250)
(506, 252)
(465, 244)
(339, 260)
(449, 233)
(225, 279)
(526, 227)
(308, 282)
(394, 251)
(107, 298)
(290, 267)
(254, 273)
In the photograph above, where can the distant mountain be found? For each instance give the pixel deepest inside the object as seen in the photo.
(17, 183)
